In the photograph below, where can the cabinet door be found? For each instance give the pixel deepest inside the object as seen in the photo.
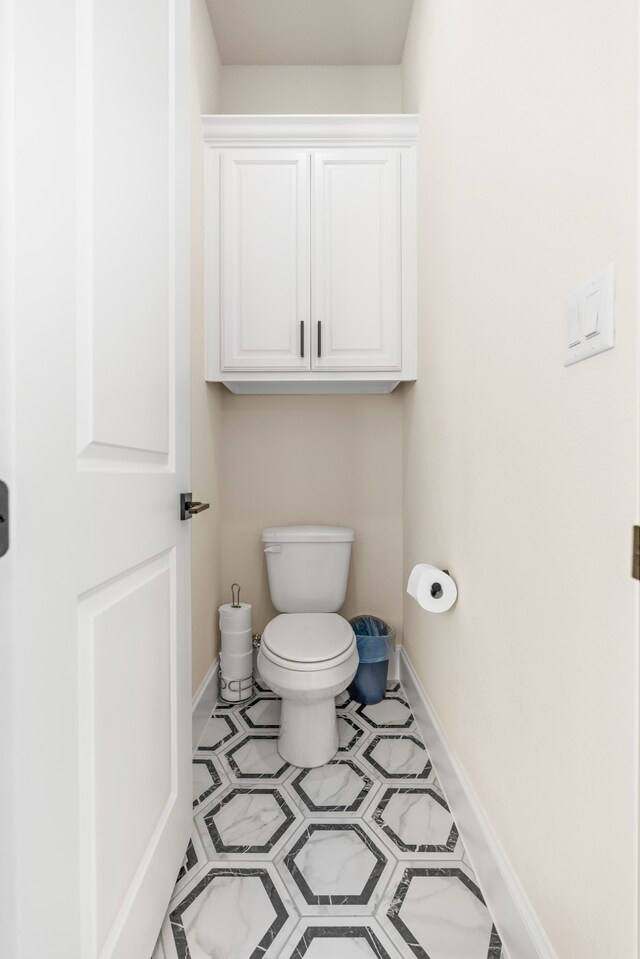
(356, 289)
(265, 260)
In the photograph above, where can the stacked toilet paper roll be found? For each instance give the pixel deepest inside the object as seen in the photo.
(236, 652)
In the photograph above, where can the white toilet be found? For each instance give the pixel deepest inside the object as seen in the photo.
(308, 654)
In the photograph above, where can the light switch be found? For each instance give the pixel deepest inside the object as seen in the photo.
(591, 318)
(588, 318)
(574, 333)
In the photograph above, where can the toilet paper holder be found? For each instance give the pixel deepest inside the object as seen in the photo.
(433, 588)
(436, 589)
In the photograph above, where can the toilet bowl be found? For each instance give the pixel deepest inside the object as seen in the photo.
(307, 659)
(308, 653)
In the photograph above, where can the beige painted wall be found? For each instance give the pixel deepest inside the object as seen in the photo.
(375, 89)
(206, 399)
(521, 476)
(315, 459)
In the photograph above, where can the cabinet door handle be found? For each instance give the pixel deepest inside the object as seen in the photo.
(302, 338)
(319, 338)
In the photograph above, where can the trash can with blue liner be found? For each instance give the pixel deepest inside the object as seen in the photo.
(376, 641)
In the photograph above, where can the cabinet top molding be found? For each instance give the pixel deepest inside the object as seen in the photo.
(398, 129)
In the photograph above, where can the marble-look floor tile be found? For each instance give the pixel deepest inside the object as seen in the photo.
(219, 729)
(348, 937)
(251, 821)
(194, 860)
(340, 788)
(437, 911)
(344, 701)
(415, 821)
(223, 706)
(260, 686)
(208, 778)
(351, 734)
(335, 868)
(256, 757)
(393, 712)
(400, 756)
(364, 849)
(262, 713)
(230, 911)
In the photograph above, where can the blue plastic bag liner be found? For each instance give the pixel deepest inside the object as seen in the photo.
(372, 649)
(369, 626)
(375, 640)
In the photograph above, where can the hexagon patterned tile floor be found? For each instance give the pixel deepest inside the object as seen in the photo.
(358, 859)
(342, 786)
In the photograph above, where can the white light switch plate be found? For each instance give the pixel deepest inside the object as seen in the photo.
(588, 318)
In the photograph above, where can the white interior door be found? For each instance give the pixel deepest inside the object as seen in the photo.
(265, 260)
(356, 285)
(97, 348)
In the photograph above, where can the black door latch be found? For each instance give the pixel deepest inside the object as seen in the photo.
(4, 518)
(188, 507)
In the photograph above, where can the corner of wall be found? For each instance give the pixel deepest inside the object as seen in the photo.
(206, 398)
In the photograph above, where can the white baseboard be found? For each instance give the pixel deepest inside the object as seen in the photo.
(204, 702)
(394, 664)
(516, 922)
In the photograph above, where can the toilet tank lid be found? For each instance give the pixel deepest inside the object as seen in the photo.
(307, 534)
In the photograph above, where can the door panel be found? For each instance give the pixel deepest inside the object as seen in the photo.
(265, 259)
(125, 135)
(126, 628)
(101, 561)
(356, 255)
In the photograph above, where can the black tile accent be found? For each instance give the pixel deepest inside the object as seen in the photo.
(259, 685)
(339, 932)
(347, 701)
(249, 775)
(393, 913)
(233, 731)
(356, 899)
(281, 915)
(190, 860)
(216, 838)
(214, 775)
(360, 711)
(388, 774)
(298, 785)
(244, 712)
(356, 736)
(377, 817)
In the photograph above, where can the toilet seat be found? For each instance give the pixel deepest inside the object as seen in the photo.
(308, 641)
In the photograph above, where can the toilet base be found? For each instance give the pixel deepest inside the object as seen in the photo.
(308, 732)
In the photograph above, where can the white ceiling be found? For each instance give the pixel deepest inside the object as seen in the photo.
(315, 32)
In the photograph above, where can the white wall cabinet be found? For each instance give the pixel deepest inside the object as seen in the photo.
(310, 253)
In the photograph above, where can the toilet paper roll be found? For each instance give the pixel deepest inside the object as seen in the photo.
(235, 617)
(432, 588)
(236, 642)
(236, 665)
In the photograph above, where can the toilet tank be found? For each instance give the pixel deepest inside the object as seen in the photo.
(307, 567)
